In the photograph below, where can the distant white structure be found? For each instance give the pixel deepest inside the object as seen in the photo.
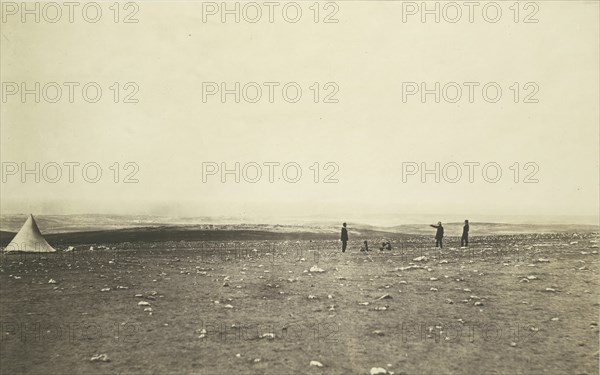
(29, 239)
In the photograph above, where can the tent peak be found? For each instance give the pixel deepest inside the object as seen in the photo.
(30, 239)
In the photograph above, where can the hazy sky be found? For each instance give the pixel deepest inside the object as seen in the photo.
(368, 134)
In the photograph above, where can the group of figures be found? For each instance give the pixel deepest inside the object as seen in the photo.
(386, 245)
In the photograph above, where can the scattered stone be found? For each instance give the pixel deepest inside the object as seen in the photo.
(100, 358)
(143, 303)
(316, 269)
(105, 290)
(378, 371)
(51, 281)
(385, 296)
(316, 364)
(550, 290)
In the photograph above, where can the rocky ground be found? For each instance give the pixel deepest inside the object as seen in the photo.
(514, 304)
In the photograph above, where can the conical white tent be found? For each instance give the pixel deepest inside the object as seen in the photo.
(30, 239)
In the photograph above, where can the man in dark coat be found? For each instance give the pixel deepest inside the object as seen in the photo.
(439, 234)
(464, 240)
(344, 238)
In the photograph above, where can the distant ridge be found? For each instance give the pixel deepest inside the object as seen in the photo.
(260, 233)
(71, 224)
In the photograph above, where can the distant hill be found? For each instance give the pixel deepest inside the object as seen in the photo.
(493, 228)
(187, 233)
(72, 229)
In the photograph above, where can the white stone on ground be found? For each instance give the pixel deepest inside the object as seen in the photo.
(100, 357)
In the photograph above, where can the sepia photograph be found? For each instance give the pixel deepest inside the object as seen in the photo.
(370, 187)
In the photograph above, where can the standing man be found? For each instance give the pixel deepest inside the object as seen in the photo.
(344, 238)
(464, 240)
(439, 234)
